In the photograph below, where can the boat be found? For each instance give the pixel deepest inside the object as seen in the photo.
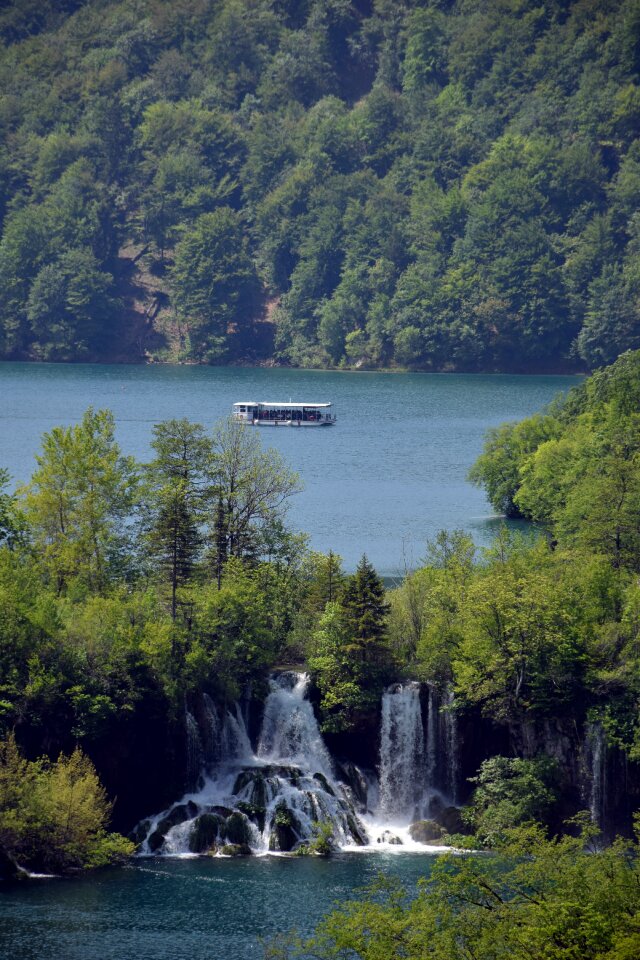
(284, 414)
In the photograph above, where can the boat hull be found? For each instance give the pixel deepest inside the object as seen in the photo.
(292, 423)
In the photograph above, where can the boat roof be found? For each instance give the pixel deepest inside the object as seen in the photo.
(278, 404)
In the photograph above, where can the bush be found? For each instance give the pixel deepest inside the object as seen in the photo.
(53, 815)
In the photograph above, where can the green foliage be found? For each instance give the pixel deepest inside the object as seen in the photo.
(53, 815)
(431, 186)
(577, 471)
(175, 497)
(322, 843)
(510, 792)
(534, 898)
(12, 522)
(251, 487)
(214, 283)
(497, 468)
(350, 655)
(76, 503)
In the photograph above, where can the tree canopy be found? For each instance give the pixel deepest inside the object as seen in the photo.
(439, 185)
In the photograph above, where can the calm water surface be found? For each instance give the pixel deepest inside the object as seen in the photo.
(383, 481)
(185, 909)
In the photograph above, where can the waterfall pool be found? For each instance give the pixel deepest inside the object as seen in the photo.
(186, 909)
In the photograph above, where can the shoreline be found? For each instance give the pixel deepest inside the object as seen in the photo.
(390, 371)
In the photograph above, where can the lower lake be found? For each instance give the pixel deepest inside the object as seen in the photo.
(384, 480)
(204, 909)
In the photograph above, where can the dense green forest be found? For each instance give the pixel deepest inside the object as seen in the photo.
(432, 185)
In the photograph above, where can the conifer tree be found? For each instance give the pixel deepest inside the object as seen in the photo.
(365, 612)
(178, 480)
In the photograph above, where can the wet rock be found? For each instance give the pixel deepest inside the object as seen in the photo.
(388, 837)
(326, 786)
(205, 832)
(237, 830)
(426, 831)
(354, 778)
(9, 869)
(358, 833)
(285, 830)
(254, 779)
(451, 820)
(155, 841)
(140, 831)
(177, 814)
(449, 817)
(254, 813)
(236, 850)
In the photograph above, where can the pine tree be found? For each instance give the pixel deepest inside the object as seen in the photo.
(365, 607)
(178, 480)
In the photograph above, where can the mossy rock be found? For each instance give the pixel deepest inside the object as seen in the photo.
(236, 850)
(205, 832)
(254, 813)
(426, 831)
(284, 817)
(237, 830)
(285, 832)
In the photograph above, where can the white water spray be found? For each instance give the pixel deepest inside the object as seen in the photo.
(403, 784)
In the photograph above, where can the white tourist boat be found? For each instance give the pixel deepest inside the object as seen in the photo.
(284, 414)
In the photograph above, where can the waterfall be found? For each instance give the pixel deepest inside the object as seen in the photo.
(268, 800)
(290, 732)
(403, 766)
(195, 753)
(432, 738)
(597, 752)
(451, 744)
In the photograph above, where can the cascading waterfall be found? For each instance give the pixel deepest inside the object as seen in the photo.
(195, 753)
(273, 797)
(597, 750)
(290, 732)
(451, 742)
(432, 737)
(403, 765)
(226, 734)
(270, 799)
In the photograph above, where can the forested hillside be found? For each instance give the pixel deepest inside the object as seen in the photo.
(436, 185)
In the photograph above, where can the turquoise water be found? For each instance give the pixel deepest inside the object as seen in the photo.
(185, 909)
(383, 481)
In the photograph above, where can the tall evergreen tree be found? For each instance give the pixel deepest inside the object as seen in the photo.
(177, 483)
(365, 610)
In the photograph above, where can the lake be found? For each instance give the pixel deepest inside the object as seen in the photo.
(205, 909)
(384, 480)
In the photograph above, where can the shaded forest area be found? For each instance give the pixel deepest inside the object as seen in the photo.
(428, 185)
